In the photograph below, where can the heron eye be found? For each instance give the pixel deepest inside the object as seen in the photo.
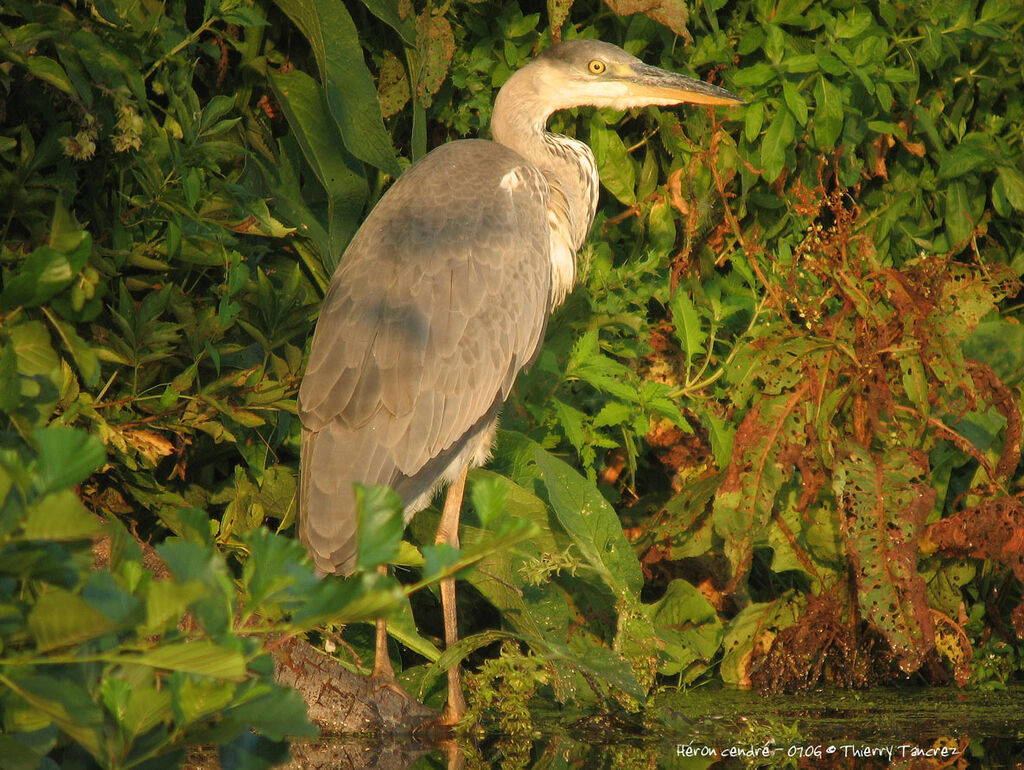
(597, 67)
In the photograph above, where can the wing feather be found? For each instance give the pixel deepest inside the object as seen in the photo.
(440, 299)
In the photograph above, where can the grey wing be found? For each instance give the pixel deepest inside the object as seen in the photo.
(440, 299)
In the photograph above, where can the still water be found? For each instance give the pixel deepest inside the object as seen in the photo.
(880, 728)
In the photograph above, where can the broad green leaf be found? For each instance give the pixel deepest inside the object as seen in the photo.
(795, 101)
(389, 12)
(778, 139)
(66, 457)
(276, 714)
(592, 524)
(886, 504)
(10, 386)
(201, 656)
(61, 618)
(364, 596)
(958, 217)
(746, 498)
(380, 525)
(755, 626)
(81, 351)
(45, 272)
(1000, 344)
(51, 72)
(167, 601)
(194, 698)
(1013, 186)
(341, 175)
(757, 74)
(489, 497)
(687, 326)
(973, 153)
(753, 120)
(828, 113)
(689, 629)
(348, 85)
(60, 516)
(614, 163)
(63, 702)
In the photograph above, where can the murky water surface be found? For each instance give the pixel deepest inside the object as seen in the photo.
(881, 728)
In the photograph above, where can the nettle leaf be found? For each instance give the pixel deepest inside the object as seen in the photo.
(339, 172)
(592, 524)
(885, 503)
(687, 325)
(973, 153)
(63, 702)
(795, 101)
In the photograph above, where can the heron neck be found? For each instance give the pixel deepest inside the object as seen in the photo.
(520, 118)
(519, 122)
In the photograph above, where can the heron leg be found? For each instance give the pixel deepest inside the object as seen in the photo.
(382, 668)
(448, 532)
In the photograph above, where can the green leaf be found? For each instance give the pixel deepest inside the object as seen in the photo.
(751, 628)
(320, 139)
(1013, 186)
(489, 497)
(60, 516)
(614, 163)
(753, 120)
(10, 386)
(44, 273)
(958, 218)
(200, 656)
(887, 503)
(688, 626)
(795, 101)
(828, 113)
(61, 618)
(591, 523)
(687, 326)
(973, 153)
(66, 457)
(754, 76)
(348, 85)
(379, 519)
(64, 702)
(49, 71)
(778, 139)
(438, 559)
(1000, 344)
(81, 351)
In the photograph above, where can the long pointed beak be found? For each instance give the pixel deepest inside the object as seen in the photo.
(647, 82)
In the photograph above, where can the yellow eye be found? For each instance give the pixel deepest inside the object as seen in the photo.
(597, 67)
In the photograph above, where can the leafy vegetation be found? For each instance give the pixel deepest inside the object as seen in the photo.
(773, 437)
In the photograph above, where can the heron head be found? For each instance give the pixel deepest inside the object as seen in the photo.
(576, 73)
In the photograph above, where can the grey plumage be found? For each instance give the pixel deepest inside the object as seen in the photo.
(444, 293)
(422, 332)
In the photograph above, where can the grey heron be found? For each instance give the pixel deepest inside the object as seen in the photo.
(443, 296)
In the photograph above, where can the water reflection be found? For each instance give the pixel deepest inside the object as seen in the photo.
(706, 728)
